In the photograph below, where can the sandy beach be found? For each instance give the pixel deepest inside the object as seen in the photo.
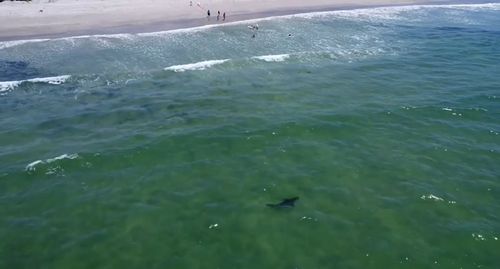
(59, 18)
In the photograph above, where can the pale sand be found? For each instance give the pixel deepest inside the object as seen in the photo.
(60, 18)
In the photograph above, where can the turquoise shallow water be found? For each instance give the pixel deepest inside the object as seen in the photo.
(161, 150)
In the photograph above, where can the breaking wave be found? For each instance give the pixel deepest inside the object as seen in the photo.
(32, 166)
(195, 66)
(273, 58)
(10, 85)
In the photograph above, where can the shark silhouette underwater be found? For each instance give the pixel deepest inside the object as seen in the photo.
(285, 203)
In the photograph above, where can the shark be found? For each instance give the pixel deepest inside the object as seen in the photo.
(285, 203)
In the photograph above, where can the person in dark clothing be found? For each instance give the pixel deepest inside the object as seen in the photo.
(224, 16)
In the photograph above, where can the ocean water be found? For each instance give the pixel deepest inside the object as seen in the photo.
(161, 150)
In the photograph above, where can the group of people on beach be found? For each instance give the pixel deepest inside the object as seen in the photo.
(208, 11)
(218, 15)
(254, 27)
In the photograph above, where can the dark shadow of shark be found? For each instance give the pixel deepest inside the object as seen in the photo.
(286, 203)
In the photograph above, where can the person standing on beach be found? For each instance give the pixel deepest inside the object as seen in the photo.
(218, 14)
(224, 16)
(208, 14)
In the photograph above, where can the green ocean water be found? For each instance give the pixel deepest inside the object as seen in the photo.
(162, 150)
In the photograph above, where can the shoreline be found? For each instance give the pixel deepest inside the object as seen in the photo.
(177, 23)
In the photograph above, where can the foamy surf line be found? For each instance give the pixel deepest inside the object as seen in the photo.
(195, 66)
(8, 44)
(307, 15)
(10, 85)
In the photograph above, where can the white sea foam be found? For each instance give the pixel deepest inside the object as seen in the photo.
(195, 66)
(61, 157)
(10, 85)
(431, 197)
(51, 80)
(478, 237)
(436, 198)
(113, 36)
(187, 30)
(32, 166)
(273, 58)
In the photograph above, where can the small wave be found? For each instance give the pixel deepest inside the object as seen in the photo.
(10, 85)
(431, 197)
(273, 58)
(32, 166)
(61, 157)
(13, 43)
(436, 198)
(195, 66)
